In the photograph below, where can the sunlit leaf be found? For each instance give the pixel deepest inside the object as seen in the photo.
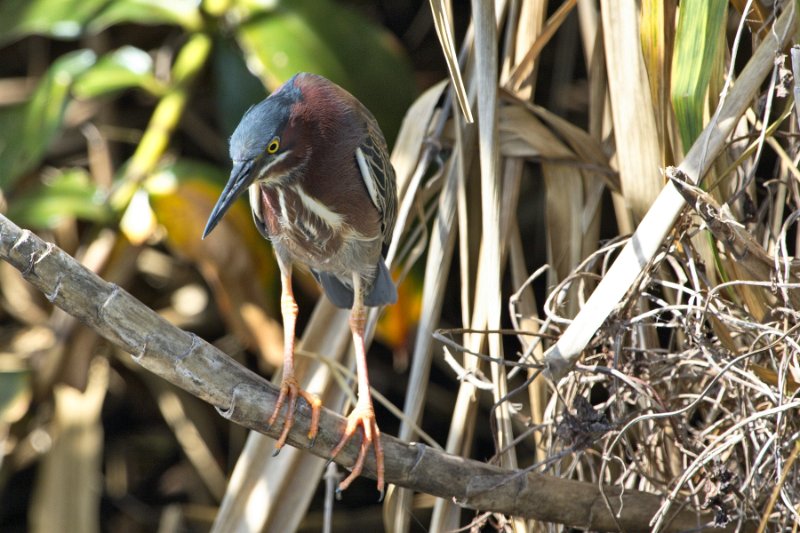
(185, 13)
(657, 44)
(138, 222)
(325, 38)
(26, 130)
(124, 68)
(63, 19)
(699, 40)
(69, 194)
(69, 19)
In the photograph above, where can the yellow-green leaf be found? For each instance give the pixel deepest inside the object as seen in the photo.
(185, 13)
(698, 45)
(69, 194)
(27, 129)
(124, 68)
(63, 19)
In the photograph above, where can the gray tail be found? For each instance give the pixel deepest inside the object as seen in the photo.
(383, 291)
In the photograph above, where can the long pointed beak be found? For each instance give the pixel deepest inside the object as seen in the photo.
(238, 182)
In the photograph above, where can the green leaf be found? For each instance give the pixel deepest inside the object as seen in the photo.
(69, 19)
(64, 19)
(121, 69)
(236, 88)
(185, 13)
(26, 130)
(69, 194)
(325, 38)
(699, 43)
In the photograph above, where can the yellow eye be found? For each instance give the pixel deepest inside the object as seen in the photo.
(273, 145)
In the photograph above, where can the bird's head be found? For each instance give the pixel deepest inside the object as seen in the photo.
(262, 147)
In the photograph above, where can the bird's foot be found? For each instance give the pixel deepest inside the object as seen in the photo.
(290, 390)
(363, 415)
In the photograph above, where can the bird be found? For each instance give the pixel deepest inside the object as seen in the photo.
(316, 168)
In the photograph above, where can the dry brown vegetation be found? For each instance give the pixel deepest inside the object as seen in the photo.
(642, 375)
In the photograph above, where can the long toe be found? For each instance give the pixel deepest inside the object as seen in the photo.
(290, 390)
(316, 406)
(364, 417)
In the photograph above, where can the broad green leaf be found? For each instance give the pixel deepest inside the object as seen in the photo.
(699, 43)
(64, 19)
(185, 13)
(26, 130)
(69, 194)
(121, 69)
(69, 19)
(325, 38)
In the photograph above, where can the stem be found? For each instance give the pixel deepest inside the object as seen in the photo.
(166, 116)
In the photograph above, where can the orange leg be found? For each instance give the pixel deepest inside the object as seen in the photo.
(290, 388)
(363, 414)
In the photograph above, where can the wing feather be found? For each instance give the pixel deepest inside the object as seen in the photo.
(377, 172)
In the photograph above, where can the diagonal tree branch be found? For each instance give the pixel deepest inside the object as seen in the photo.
(238, 394)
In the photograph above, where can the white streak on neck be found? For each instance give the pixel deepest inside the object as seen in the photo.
(284, 216)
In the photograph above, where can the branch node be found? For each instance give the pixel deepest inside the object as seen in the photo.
(51, 296)
(192, 347)
(114, 292)
(34, 258)
(229, 412)
(23, 236)
(420, 449)
(137, 357)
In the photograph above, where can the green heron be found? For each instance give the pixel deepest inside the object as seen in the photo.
(322, 189)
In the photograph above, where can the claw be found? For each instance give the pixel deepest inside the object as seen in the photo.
(363, 415)
(290, 389)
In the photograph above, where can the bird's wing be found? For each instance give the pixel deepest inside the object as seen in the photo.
(377, 172)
